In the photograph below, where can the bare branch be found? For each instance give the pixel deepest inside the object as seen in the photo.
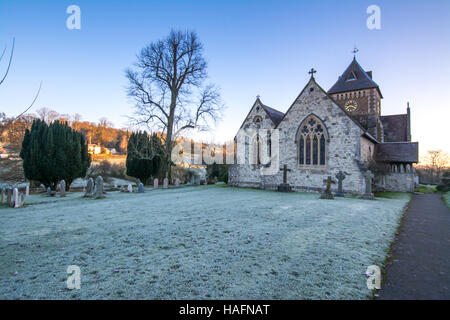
(10, 60)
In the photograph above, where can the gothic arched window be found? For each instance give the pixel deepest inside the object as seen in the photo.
(312, 142)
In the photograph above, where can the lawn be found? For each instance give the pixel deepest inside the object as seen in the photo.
(203, 242)
(446, 197)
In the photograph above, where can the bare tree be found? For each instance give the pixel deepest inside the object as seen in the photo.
(437, 161)
(47, 115)
(6, 122)
(167, 85)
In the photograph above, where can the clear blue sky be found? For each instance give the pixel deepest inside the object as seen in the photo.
(252, 47)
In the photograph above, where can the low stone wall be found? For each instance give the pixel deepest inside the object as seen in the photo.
(400, 182)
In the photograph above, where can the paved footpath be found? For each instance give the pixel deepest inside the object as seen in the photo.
(420, 264)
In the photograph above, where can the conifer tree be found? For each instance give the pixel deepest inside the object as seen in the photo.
(54, 152)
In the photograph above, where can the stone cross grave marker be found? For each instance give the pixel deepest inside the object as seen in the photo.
(99, 187)
(327, 193)
(341, 177)
(166, 183)
(285, 187)
(285, 171)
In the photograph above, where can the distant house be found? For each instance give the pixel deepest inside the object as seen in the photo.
(112, 151)
(3, 153)
(94, 149)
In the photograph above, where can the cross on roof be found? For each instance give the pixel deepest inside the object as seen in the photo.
(312, 72)
(355, 51)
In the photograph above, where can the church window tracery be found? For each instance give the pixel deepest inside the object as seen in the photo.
(311, 142)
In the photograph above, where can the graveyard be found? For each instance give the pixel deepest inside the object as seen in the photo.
(195, 242)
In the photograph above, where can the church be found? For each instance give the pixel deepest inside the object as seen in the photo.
(328, 133)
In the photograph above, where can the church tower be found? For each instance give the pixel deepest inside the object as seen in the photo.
(360, 97)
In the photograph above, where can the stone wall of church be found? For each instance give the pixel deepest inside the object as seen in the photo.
(396, 182)
(343, 147)
(248, 174)
(367, 150)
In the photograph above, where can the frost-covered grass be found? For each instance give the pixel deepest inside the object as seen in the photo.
(205, 242)
(446, 197)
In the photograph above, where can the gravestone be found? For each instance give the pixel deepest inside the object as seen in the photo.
(9, 193)
(165, 183)
(177, 182)
(192, 180)
(284, 187)
(341, 177)
(197, 180)
(49, 192)
(130, 188)
(27, 190)
(155, 183)
(15, 202)
(89, 188)
(3, 195)
(327, 194)
(62, 188)
(99, 188)
(140, 187)
(368, 178)
(21, 199)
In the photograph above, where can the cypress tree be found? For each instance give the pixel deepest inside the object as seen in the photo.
(54, 152)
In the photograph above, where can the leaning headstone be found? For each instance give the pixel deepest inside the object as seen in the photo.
(3, 195)
(340, 176)
(155, 183)
(368, 177)
(130, 188)
(99, 188)
(89, 188)
(177, 182)
(140, 187)
(15, 202)
(62, 188)
(165, 183)
(27, 190)
(327, 193)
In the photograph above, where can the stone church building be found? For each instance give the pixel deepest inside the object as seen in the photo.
(324, 133)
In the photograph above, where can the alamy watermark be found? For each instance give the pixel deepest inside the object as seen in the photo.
(374, 20)
(73, 22)
(74, 280)
(373, 274)
(260, 148)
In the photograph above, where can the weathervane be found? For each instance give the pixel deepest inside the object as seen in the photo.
(312, 72)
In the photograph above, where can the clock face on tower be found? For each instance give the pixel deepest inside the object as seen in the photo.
(351, 106)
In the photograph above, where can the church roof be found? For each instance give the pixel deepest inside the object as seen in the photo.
(354, 78)
(395, 127)
(398, 152)
(275, 115)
